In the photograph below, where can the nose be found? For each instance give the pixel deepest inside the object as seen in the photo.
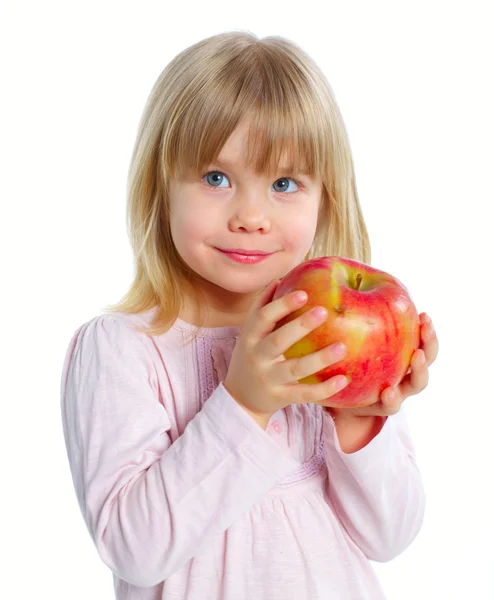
(249, 214)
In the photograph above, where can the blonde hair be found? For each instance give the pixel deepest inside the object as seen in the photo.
(197, 102)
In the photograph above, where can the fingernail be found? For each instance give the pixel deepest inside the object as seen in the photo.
(340, 382)
(390, 395)
(339, 349)
(422, 358)
(319, 312)
(300, 297)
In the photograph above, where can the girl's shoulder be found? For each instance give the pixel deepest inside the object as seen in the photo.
(111, 350)
(134, 326)
(107, 334)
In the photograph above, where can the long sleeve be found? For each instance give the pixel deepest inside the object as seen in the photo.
(150, 505)
(377, 492)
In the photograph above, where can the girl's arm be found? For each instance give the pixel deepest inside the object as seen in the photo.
(150, 505)
(375, 486)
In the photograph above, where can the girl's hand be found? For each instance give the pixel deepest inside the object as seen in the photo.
(414, 382)
(259, 377)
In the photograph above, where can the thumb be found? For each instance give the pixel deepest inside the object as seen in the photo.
(263, 298)
(267, 294)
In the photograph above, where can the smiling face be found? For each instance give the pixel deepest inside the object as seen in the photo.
(228, 207)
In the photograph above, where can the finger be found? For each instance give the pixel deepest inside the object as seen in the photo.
(300, 393)
(390, 401)
(263, 299)
(284, 337)
(430, 343)
(423, 318)
(418, 378)
(266, 295)
(294, 369)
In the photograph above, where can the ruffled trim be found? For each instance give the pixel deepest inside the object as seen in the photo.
(218, 352)
(307, 468)
(221, 353)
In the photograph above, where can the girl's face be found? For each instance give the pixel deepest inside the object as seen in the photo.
(231, 208)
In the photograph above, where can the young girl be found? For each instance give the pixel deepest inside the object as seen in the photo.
(202, 469)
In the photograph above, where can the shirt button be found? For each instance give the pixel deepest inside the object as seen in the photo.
(276, 426)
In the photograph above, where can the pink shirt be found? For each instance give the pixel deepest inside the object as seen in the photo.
(187, 498)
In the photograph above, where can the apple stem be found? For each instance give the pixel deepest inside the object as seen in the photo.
(359, 281)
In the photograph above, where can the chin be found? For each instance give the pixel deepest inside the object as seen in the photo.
(243, 288)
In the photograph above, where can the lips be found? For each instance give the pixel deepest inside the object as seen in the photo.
(244, 252)
(246, 259)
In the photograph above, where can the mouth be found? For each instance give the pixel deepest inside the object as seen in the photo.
(244, 251)
(245, 257)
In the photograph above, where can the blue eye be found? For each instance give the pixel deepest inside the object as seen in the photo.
(216, 177)
(286, 182)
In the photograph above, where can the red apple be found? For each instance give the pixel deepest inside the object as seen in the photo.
(370, 311)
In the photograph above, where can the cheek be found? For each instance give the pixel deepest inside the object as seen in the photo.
(189, 227)
(299, 233)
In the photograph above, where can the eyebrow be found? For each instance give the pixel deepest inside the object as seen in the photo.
(225, 163)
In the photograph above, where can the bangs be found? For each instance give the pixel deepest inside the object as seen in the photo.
(288, 123)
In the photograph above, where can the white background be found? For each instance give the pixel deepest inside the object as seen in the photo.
(414, 83)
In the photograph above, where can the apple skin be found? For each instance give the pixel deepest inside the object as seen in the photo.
(370, 311)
